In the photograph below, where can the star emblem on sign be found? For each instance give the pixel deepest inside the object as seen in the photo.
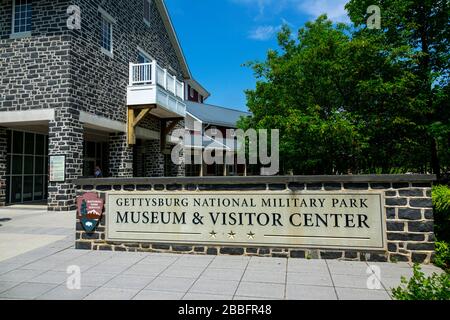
(251, 235)
(213, 234)
(231, 235)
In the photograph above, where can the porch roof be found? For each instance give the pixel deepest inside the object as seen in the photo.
(215, 115)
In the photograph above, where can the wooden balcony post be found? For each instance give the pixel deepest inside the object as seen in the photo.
(154, 73)
(131, 132)
(131, 74)
(165, 79)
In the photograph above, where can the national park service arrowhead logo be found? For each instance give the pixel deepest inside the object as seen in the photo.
(90, 209)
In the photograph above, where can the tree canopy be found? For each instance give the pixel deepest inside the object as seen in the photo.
(347, 98)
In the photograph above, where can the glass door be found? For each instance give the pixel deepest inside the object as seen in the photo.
(27, 169)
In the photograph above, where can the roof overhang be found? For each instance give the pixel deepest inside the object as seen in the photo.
(200, 89)
(173, 37)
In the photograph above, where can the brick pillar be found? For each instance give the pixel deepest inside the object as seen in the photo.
(120, 156)
(179, 170)
(3, 148)
(154, 159)
(65, 138)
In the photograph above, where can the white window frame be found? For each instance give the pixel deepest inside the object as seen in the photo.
(147, 21)
(107, 17)
(15, 35)
(145, 54)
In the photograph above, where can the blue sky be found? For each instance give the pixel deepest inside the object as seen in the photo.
(218, 36)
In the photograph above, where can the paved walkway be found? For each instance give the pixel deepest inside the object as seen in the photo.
(41, 272)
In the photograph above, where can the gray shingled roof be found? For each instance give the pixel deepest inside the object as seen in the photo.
(215, 115)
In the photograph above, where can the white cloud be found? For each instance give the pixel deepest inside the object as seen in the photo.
(335, 9)
(263, 33)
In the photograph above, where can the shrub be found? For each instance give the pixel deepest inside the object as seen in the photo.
(436, 287)
(441, 204)
(442, 256)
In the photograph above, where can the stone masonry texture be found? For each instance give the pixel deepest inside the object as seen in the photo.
(409, 225)
(65, 70)
(3, 150)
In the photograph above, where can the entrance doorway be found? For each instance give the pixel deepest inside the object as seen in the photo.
(95, 154)
(26, 167)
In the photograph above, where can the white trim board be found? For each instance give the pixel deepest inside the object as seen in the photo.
(17, 117)
(104, 124)
(107, 125)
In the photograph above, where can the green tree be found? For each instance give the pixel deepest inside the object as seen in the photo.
(349, 98)
(336, 99)
(301, 92)
(423, 29)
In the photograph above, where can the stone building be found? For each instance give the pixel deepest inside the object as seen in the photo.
(99, 82)
(216, 126)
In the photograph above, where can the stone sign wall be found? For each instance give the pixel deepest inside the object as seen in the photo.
(373, 218)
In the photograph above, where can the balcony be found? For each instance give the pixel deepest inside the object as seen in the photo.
(151, 85)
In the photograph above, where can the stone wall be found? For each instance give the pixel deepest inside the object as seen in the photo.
(408, 209)
(65, 70)
(65, 138)
(100, 80)
(3, 151)
(120, 156)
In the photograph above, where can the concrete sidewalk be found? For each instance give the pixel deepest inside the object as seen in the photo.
(41, 272)
(25, 228)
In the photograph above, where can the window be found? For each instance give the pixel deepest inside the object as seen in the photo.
(106, 35)
(22, 13)
(26, 167)
(107, 32)
(147, 11)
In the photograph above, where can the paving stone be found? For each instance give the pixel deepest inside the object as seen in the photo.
(111, 294)
(232, 264)
(392, 282)
(171, 284)
(158, 295)
(150, 270)
(307, 266)
(348, 281)
(204, 296)
(183, 272)
(263, 290)
(129, 282)
(215, 287)
(264, 276)
(161, 260)
(361, 294)
(91, 279)
(244, 298)
(6, 285)
(63, 293)
(20, 275)
(318, 279)
(27, 290)
(51, 277)
(7, 267)
(109, 268)
(222, 274)
(300, 292)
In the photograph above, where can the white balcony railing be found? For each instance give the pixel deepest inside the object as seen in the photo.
(153, 74)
